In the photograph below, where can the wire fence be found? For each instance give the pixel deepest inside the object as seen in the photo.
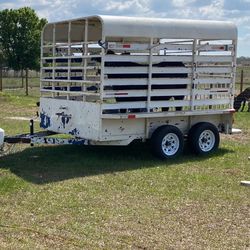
(242, 78)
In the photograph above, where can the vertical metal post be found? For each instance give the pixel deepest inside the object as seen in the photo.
(150, 68)
(85, 56)
(41, 63)
(241, 80)
(232, 87)
(193, 75)
(69, 58)
(53, 60)
(150, 74)
(31, 127)
(103, 54)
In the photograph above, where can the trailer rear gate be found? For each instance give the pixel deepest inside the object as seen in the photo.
(114, 79)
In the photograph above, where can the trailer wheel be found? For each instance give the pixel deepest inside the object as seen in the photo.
(203, 138)
(167, 142)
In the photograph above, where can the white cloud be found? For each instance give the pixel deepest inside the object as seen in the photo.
(236, 11)
(119, 6)
(137, 7)
(182, 3)
(215, 10)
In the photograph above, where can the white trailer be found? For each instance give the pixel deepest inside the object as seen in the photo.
(113, 79)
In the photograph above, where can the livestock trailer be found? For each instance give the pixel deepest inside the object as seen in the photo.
(111, 80)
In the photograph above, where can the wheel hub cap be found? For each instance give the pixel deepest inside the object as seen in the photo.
(206, 140)
(170, 144)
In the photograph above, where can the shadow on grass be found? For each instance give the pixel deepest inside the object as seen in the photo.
(42, 165)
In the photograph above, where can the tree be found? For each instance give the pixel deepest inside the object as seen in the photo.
(20, 32)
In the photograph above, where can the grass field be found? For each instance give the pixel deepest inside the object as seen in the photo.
(69, 197)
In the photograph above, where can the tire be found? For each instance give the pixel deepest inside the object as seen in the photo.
(167, 142)
(203, 138)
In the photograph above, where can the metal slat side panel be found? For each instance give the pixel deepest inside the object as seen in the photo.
(165, 74)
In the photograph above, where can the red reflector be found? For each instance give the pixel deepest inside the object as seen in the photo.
(126, 46)
(131, 116)
(232, 110)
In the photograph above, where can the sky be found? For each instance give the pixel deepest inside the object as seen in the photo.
(237, 11)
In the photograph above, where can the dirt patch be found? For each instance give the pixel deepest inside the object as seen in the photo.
(243, 137)
(21, 118)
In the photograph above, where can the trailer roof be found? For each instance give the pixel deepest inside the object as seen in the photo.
(167, 28)
(121, 26)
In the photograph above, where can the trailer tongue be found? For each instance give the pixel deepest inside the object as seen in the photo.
(43, 137)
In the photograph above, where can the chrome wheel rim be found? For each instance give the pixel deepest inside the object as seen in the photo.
(170, 144)
(206, 140)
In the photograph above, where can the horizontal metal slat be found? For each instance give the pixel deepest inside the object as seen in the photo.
(211, 80)
(69, 81)
(139, 93)
(143, 81)
(214, 58)
(213, 91)
(153, 104)
(71, 92)
(145, 58)
(71, 57)
(212, 102)
(176, 47)
(144, 70)
(124, 105)
(214, 70)
(156, 104)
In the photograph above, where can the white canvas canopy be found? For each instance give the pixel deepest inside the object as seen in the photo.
(120, 26)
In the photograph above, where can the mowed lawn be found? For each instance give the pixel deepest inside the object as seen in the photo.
(73, 197)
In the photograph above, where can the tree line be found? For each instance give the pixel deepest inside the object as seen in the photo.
(20, 32)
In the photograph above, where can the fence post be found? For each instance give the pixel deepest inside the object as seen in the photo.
(1, 71)
(241, 80)
(26, 82)
(1, 77)
(22, 78)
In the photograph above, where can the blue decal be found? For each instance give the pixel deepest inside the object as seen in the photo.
(44, 120)
(74, 132)
(77, 142)
(65, 119)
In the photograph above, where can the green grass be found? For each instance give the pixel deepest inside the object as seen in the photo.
(69, 197)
